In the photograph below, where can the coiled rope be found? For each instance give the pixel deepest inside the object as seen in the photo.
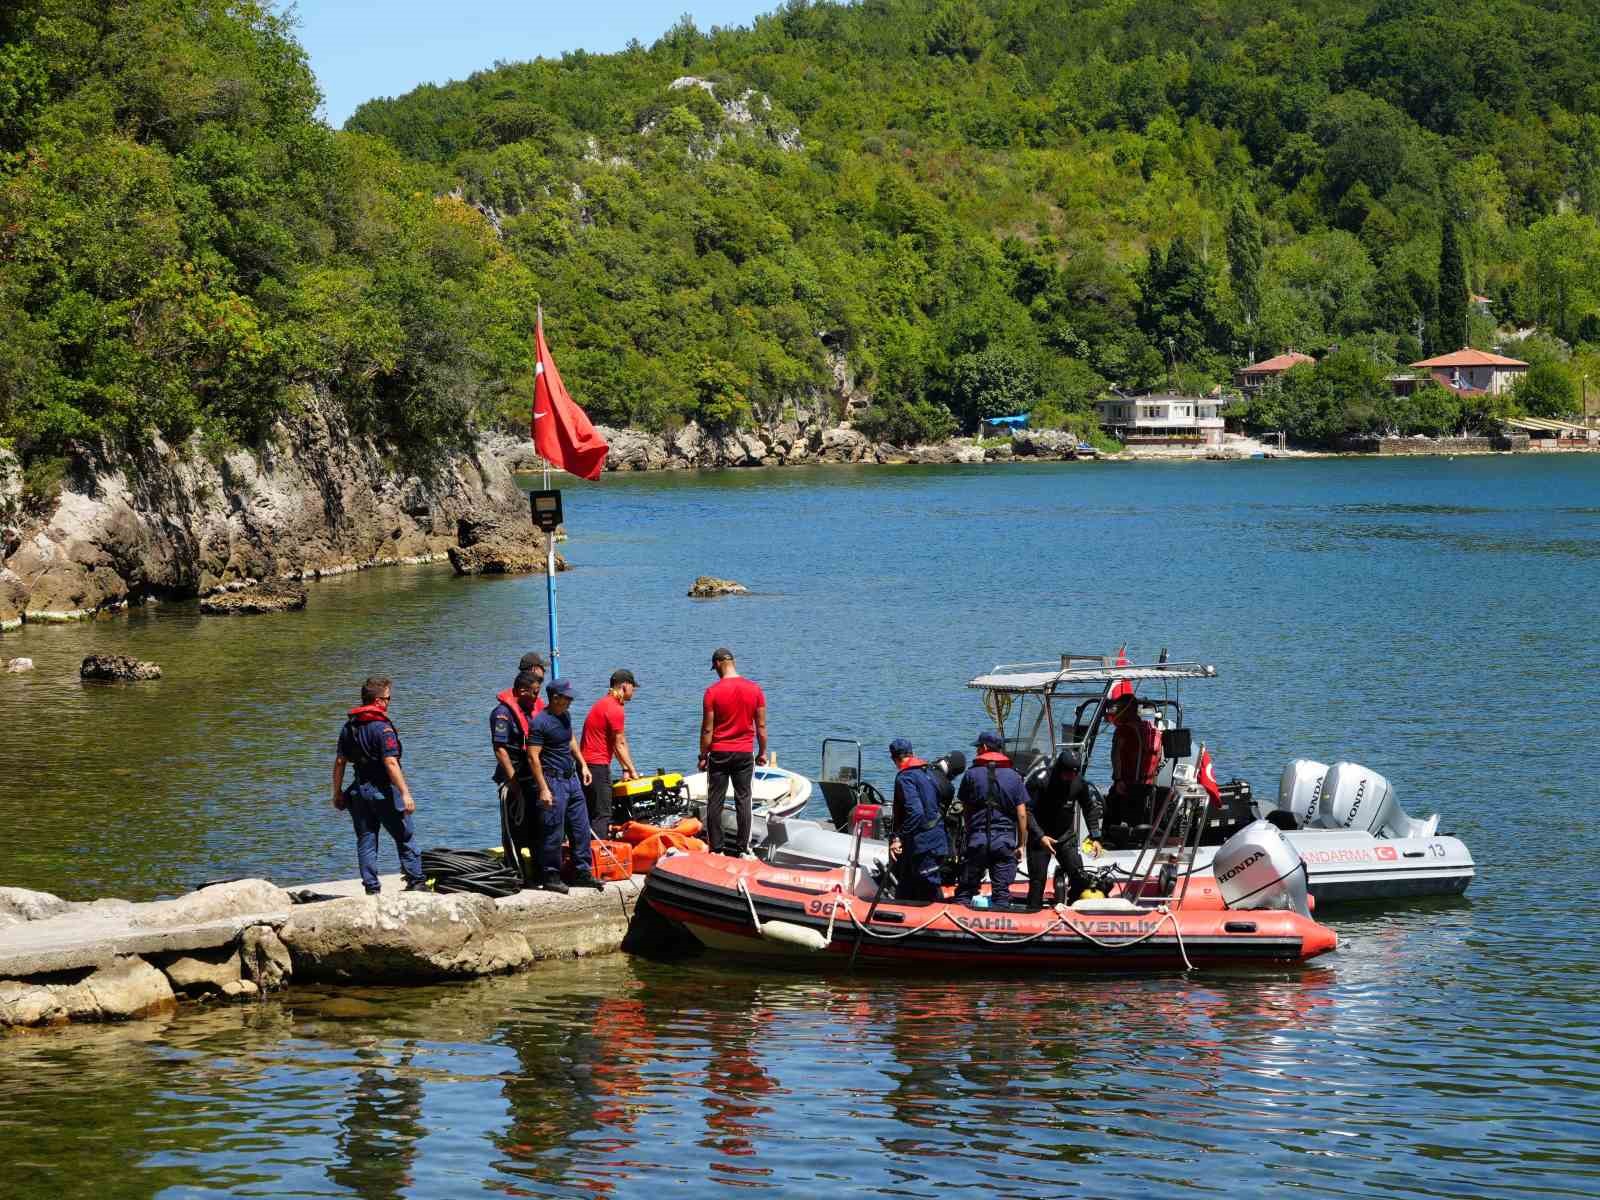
(477, 871)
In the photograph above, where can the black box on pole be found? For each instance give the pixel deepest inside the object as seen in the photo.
(546, 509)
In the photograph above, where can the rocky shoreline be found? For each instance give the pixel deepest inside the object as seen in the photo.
(172, 521)
(106, 960)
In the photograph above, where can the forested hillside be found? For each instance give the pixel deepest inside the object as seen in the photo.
(181, 240)
(984, 205)
(997, 205)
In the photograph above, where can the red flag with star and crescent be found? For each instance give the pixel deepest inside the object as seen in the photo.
(562, 432)
(1207, 778)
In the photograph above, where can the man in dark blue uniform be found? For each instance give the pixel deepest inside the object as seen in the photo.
(995, 804)
(558, 766)
(379, 797)
(513, 712)
(918, 842)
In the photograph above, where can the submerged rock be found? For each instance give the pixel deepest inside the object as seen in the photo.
(263, 958)
(272, 596)
(117, 666)
(708, 586)
(18, 665)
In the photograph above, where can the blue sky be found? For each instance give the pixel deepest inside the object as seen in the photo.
(365, 48)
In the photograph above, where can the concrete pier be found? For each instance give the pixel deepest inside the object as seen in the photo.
(64, 961)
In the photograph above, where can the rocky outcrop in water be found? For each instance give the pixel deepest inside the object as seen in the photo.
(708, 586)
(488, 544)
(273, 596)
(19, 666)
(117, 668)
(314, 499)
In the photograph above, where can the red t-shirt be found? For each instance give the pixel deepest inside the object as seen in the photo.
(601, 729)
(732, 703)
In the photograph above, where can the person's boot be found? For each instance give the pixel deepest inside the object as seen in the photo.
(587, 880)
(554, 884)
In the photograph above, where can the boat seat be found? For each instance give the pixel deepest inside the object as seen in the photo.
(841, 801)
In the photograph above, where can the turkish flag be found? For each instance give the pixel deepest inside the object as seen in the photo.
(1208, 779)
(1122, 687)
(562, 433)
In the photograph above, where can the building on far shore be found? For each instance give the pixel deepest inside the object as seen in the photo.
(1256, 376)
(1466, 372)
(1163, 419)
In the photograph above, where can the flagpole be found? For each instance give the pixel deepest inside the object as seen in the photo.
(550, 563)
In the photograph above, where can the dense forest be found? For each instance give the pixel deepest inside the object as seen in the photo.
(983, 206)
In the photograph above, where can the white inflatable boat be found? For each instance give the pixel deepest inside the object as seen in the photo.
(774, 795)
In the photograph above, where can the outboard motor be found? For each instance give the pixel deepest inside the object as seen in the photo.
(1257, 868)
(1299, 791)
(1358, 798)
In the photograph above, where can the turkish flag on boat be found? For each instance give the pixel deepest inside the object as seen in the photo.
(1207, 778)
(1122, 687)
(562, 433)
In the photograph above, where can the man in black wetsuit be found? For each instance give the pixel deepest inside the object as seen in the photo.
(1053, 803)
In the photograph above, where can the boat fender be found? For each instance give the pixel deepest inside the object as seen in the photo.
(790, 934)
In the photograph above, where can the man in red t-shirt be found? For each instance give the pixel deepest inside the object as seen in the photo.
(603, 740)
(735, 715)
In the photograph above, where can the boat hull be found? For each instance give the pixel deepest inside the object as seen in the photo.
(702, 894)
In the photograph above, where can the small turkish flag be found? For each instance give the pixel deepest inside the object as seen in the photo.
(1207, 779)
(562, 433)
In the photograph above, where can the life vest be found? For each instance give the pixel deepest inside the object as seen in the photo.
(1135, 752)
(509, 699)
(638, 832)
(647, 852)
(369, 769)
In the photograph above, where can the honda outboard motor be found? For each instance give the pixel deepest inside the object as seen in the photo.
(1257, 868)
(1299, 790)
(1358, 798)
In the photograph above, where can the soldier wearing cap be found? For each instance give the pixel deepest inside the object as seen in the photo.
(558, 765)
(995, 805)
(1054, 801)
(604, 739)
(533, 662)
(733, 718)
(918, 843)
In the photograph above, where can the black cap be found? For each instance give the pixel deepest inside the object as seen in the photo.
(530, 661)
(1069, 760)
(558, 687)
(989, 740)
(721, 654)
(899, 748)
(621, 676)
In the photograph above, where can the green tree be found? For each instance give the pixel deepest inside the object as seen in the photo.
(958, 30)
(997, 382)
(1244, 267)
(1546, 389)
(1178, 303)
(1452, 333)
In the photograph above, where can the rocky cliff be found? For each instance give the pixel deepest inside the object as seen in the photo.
(314, 500)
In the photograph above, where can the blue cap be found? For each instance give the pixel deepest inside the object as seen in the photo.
(989, 740)
(558, 687)
(899, 748)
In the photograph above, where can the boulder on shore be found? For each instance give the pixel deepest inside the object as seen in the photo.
(117, 666)
(708, 586)
(270, 596)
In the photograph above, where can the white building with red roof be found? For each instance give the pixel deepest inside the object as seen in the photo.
(1478, 371)
(1257, 375)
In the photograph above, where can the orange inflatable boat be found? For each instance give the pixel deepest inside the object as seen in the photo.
(765, 911)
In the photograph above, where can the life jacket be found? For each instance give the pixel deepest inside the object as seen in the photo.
(1135, 752)
(994, 805)
(369, 769)
(509, 699)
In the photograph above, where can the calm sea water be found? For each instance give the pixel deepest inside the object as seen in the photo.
(1432, 619)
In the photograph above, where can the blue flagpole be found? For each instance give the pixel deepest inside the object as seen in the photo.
(550, 590)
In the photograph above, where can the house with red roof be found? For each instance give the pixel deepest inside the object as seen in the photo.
(1477, 372)
(1257, 375)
